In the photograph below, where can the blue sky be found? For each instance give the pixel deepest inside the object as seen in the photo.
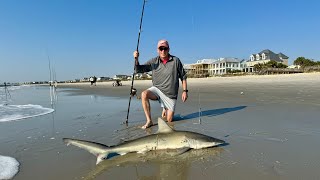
(97, 37)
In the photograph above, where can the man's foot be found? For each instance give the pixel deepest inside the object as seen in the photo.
(147, 125)
(164, 113)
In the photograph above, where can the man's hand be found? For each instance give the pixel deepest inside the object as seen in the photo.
(136, 55)
(184, 96)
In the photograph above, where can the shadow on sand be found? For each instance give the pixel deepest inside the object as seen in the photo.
(208, 113)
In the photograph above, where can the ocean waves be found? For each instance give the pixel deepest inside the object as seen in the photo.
(18, 112)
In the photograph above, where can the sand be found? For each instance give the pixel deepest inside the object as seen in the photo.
(270, 123)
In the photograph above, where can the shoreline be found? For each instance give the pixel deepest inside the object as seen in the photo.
(194, 84)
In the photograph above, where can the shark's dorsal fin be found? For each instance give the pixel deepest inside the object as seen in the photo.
(163, 126)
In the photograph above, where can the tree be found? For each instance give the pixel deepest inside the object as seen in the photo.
(303, 62)
(258, 67)
(280, 65)
(272, 64)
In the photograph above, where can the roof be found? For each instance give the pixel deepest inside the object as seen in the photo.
(267, 51)
(272, 56)
(283, 56)
(228, 59)
(206, 61)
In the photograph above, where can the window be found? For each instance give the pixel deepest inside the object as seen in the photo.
(257, 56)
(252, 58)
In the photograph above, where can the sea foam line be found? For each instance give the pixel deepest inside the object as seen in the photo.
(17, 112)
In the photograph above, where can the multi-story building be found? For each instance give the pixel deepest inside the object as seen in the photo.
(200, 68)
(264, 57)
(225, 65)
(211, 67)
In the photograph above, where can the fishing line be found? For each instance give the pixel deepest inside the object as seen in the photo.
(133, 90)
(199, 106)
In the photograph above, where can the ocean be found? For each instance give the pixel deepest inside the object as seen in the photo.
(270, 123)
(33, 121)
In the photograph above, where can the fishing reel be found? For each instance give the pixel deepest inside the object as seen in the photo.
(133, 92)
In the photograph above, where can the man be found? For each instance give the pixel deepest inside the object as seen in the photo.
(166, 72)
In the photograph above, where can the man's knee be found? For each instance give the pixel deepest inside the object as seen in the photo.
(148, 95)
(144, 94)
(170, 115)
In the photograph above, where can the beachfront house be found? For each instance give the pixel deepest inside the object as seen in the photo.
(121, 77)
(200, 68)
(104, 79)
(213, 67)
(264, 57)
(142, 76)
(188, 68)
(226, 65)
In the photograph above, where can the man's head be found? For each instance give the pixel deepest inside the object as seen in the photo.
(163, 48)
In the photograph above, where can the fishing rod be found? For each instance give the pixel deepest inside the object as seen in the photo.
(6, 91)
(133, 90)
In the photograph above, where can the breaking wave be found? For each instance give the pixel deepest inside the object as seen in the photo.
(17, 112)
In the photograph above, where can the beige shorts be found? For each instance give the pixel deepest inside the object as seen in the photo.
(164, 100)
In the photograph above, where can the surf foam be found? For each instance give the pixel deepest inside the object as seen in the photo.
(17, 112)
(9, 167)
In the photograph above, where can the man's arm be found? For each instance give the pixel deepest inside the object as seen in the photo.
(185, 90)
(140, 68)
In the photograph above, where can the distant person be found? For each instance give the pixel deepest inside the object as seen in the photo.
(166, 72)
(95, 80)
(91, 80)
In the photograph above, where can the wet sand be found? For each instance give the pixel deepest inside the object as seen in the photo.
(270, 123)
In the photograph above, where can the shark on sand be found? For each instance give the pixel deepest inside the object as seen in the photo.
(165, 139)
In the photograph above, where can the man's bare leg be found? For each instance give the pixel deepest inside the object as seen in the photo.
(145, 96)
(164, 113)
(170, 115)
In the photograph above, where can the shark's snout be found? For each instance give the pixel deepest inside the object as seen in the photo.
(219, 142)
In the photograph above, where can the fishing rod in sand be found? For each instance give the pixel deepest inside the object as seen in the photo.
(133, 90)
(50, 76)
(6, 91)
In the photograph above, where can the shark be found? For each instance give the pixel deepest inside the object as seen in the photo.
(165, 138)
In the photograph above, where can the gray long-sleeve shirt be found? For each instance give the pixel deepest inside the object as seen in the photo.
(165, 76)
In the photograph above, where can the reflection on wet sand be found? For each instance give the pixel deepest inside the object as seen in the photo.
(168, 164)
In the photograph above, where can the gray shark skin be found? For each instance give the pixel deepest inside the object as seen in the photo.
(165, 139)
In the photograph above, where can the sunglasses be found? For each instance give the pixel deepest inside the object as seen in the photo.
(161, 48)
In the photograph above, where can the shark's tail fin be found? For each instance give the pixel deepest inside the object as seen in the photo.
(101, 151)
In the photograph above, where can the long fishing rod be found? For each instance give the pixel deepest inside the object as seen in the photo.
(50, 76)
(132, 90)
(6, 90)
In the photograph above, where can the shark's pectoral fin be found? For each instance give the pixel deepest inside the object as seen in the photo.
(182, 150)
(176, 152)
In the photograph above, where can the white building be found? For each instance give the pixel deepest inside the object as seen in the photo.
(225, 65)
(211, 67)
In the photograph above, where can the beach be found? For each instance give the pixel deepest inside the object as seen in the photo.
(270, 124)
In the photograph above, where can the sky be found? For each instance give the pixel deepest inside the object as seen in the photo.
(82, 38)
